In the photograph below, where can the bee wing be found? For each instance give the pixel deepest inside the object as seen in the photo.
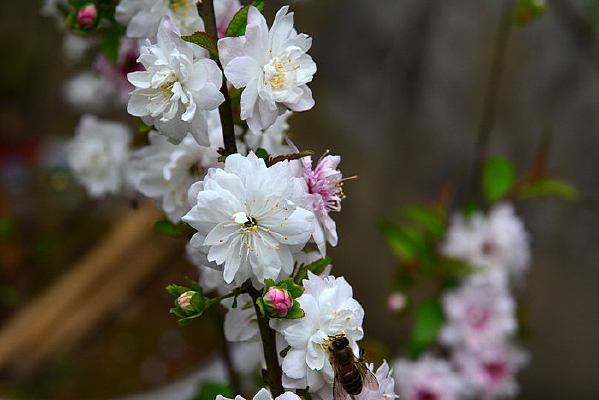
(339, 392)
(369, 381)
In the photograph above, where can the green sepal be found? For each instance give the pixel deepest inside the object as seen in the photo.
(80, 3)
(222, 158)
(204, 40)
(316, 268)
(261, 306)
(428, 321)
(71, 22)
(178, 312)
(166, 227)
(295, 312)
(291, 287)
(239, 22)
(176, 291)
(187, 320)
(498, 178)
(548, 187)
(284, 352)
(195, 286)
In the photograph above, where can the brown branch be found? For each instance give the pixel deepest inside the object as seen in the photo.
(206, 11)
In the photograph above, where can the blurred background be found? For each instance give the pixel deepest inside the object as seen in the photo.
(399, 94)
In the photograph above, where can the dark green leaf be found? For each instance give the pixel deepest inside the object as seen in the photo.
(110, 45)
(528, 10)
(316, 268)
(498, 178)
(261, 153)
(294, 156)
(175, 290)
(548, 187)
(239, 22)
(168, 228)
(204, 40)
(428, 321)
(406, 244)
(469, 208)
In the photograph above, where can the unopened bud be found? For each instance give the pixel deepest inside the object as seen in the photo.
(278, 302)
(184, 301)
(396, 302)
(86, 16)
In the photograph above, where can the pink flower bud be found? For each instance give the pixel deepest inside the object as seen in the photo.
(184, 301)
(396, 302)
(86, 16)
(278, 302)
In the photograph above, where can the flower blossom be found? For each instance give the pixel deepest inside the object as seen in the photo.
(272, 139)
(272, 66)
(497, 243)
(428, 379)
(98, 155)
(164, 171)
(491, 371)
(177, 88)
(330, 310)
(116, 73)
(246, 221)
(264, 394)
(323, 194)
(384, 376)
(477, 315)
(142, 17)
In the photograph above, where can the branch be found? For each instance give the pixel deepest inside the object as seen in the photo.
(490, 100)
(206, 11)
(274, 371)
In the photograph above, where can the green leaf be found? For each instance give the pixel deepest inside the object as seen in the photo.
(260, 303)
(548, 187)
(204, 40)
(209, 391)
(294, 156)
(429, 217)
(295, 312)
(8, 228)
(166, 227)
(428, 321)
(261, 153)
(176, 291)
(498, 178)
(110, 45)
(470, 208)
(239, 22)
(316, 268)
(405, 243)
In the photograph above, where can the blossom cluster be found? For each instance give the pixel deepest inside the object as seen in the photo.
(480, 313)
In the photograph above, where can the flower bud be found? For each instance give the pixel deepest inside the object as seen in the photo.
(86, 16)
(184, 301)
(396, 302)
(278, 302)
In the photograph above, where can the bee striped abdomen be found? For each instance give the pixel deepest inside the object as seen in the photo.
(352, 381)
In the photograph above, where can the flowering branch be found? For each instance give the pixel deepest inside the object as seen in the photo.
(274, 371)
(206, 11)
(490, 100)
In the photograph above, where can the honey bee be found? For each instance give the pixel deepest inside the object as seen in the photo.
(351, 373)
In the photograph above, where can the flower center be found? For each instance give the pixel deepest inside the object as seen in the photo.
(425, 394)
(495, 370)
(280, 73)
(248, 223)
(179, 6)
(477, 317)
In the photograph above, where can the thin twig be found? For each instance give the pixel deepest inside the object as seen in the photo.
(206, 11)
(490, 100)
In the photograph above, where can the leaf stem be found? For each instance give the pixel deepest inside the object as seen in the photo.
(274, 371)
(490, 101)
(206, 11)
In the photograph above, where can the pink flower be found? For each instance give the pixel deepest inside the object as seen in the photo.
(184, 300)
(278, 301)
(86, 16)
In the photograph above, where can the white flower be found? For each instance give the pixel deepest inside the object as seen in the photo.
(491, 371)
(179, 85)
(240, 322)
(428, 378)
(87, 91)
(164, 171)
(497, 243)
(330, 310)
(272, 66)
(264, 394)
(322, 194)
(272, 139)
(246, 221)
(384, 376)
(477, 315)
(98, 155)
(142, 17)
